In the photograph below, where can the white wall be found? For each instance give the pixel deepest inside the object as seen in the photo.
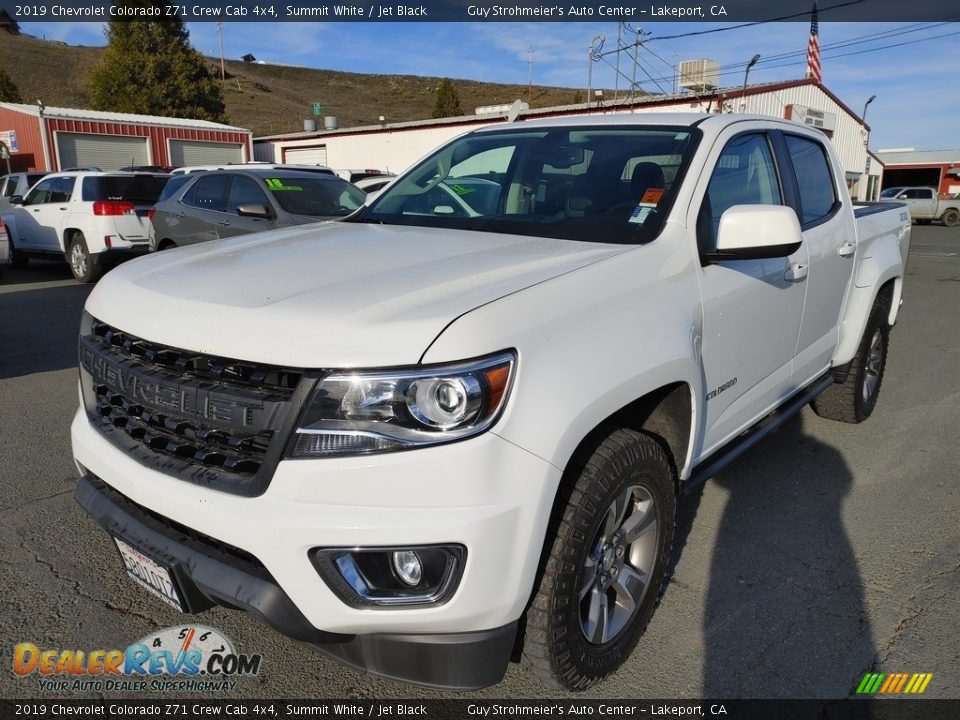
(397, 149)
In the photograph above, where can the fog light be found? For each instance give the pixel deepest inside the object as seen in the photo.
(406, 564)
(391, 576)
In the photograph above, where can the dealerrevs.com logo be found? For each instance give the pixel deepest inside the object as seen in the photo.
(188, 658)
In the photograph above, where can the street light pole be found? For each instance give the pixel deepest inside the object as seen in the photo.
(746, 74)
(866, 148)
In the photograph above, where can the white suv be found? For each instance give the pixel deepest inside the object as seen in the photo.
(89, 218)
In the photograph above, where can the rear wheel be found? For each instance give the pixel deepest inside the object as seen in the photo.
(854, 399)
(86, 268)
(606, 564)
(951, 218)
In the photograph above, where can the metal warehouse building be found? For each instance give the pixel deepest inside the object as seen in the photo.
(396, 146)
(51, 138)
(930, 168)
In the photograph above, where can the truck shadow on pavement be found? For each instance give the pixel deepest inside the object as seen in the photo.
(784, 613)
(39, 326)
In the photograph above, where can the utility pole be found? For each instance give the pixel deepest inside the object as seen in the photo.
(866, 149)
(530, 75)
(223, 69)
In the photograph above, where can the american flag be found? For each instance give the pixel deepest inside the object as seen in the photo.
(813, 47)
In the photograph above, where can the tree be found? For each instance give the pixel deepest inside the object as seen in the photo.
(150, 68)
(577, 98)
(8, 91)
(447, 102)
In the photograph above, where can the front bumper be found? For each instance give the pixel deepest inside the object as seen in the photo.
(209, 574)
(485, 493)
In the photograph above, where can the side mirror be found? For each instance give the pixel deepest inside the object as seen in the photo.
(903, 196)
(16, 200)
(254, 210)
(753, 232)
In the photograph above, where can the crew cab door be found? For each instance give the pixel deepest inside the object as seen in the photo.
(829, 234)
(922, 203)
(203, 210)
(752, 308)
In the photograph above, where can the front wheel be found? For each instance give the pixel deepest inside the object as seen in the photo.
(86, 268)
(853, 400)
(951, 218)
(606, 564)
(17, 258)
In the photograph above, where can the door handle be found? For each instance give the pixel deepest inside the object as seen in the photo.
(36, 209)
(797, 271)
(225, 223)
(847, 249)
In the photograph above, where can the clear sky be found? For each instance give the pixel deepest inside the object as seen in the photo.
(904, 65)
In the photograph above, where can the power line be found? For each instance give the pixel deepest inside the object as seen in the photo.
(806, 13)
(736, 69)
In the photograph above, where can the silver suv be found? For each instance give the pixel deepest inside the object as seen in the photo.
(222, 204)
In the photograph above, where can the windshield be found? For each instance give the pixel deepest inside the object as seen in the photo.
(891, 192)
(611, 184)
(321, 196)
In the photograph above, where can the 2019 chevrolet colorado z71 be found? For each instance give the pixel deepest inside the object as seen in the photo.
(454, 428)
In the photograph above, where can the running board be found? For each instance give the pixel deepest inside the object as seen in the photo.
(713, 465)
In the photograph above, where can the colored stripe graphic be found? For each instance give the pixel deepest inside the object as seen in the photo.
(894, 683)
(903, 680)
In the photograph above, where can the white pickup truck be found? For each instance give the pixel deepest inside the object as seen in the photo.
(442, 435)
(925, 205)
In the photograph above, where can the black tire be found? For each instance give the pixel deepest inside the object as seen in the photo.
(86, 268)
(17, 259)
(853, 400)
(166, 245)
(951, 218)
(557, 648)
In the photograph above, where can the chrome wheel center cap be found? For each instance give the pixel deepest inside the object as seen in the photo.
(609, 557)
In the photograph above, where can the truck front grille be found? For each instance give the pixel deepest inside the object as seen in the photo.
(201, 418)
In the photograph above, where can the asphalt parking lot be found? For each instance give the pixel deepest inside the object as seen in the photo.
(828, 551)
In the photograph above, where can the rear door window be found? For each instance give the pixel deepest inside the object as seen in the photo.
(818, 195)
(209, 193)
(61, 190)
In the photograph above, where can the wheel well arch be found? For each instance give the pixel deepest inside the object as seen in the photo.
(68, 234)
(665, 413)
(165, 243)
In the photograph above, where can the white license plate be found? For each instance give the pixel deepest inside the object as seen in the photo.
(150, 574)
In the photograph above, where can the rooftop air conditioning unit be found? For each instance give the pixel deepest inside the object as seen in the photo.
(699, 75)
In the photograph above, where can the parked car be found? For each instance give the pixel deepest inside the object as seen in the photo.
(16, 184)
(4, 248)
(148, 168)
(220, 204)
(427, 443)
(374, 184)
(355, 174)
(190, 169)
(91, 219)
(924, 204)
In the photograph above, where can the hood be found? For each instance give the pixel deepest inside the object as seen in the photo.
(327, 295)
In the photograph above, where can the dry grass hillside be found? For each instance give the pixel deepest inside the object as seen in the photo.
(266, 98)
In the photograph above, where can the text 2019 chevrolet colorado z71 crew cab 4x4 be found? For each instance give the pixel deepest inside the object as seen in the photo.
(454, 428)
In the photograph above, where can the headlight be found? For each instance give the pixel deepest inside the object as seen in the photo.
(380, 411)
